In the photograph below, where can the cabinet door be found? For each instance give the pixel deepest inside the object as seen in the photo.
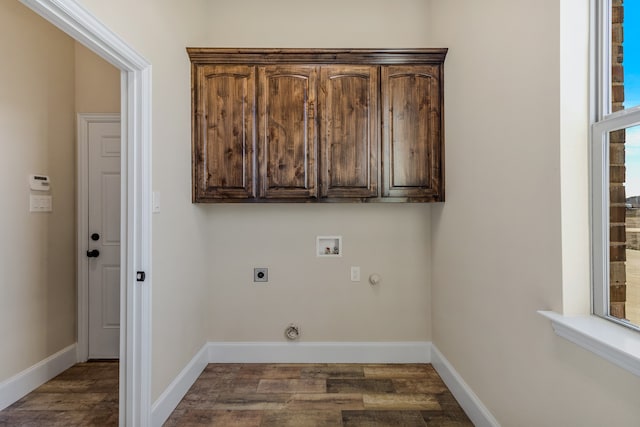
(287, 131)
(349, 125)
(223, 147)
(412, 140)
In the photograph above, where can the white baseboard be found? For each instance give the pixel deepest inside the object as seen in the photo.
(14, 388)
(173, 394)
(473, 407)
(319, 352)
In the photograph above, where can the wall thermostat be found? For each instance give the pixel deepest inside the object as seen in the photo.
(39, 182)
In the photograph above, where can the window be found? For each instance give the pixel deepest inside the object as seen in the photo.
(615, 156)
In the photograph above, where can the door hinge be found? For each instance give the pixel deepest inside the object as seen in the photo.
(140, 276)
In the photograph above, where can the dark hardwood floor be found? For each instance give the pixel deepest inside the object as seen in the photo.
(84, 395)
(265, 395)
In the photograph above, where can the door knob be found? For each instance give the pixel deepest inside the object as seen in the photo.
(93, 254)
(95, 237)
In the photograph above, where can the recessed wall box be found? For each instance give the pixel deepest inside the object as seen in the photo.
(261, 274)
(329, 246)
(39, 182)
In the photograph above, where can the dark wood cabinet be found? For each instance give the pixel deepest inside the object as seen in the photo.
(412, 126)
(223, 133)
(287, 135)
(290, 125)
(349, 131)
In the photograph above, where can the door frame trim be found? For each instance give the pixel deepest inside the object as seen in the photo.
(83, 120)
(135, 249)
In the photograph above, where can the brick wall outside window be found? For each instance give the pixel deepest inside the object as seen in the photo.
(617, 244)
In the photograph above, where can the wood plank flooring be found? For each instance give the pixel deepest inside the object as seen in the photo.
(84, 395)
(260, 395)
(318, 395)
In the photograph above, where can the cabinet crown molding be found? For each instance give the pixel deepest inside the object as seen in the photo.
(209, 55)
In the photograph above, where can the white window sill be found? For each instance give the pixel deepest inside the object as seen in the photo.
(615, 343)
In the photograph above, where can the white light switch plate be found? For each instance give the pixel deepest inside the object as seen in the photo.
(40, 203)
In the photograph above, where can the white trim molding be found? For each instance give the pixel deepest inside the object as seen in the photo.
(173, 394)
(321, 352)
(609, 340)
(135, 301)
(468, 400)
(23, 383)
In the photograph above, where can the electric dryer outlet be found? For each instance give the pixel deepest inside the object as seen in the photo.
(261, 274)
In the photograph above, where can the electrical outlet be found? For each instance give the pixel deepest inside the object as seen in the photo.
(261, 274)
(355, 274)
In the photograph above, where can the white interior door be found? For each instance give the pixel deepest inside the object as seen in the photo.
(104, 239)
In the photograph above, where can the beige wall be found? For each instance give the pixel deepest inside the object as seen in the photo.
(37, 250)
(501, 245)
(307, 23)
(317, 293)
(97, 83)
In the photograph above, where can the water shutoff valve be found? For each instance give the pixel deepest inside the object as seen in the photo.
(292, 332)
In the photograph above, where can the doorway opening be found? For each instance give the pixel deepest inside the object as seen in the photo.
(135, 209)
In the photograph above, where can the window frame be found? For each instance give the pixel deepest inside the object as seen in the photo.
(603, 122)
